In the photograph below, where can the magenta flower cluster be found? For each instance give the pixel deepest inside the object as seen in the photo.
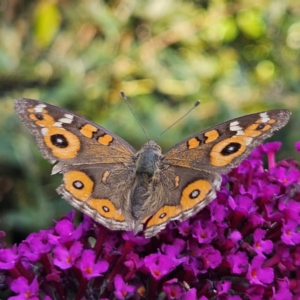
(244, 245)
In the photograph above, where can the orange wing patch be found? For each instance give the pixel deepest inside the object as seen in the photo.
(105, 139)
(164, 214)
(105, 176)
(211, 136)
(177, 179)
(88, 130)
(64, 144)
(225, 151)
(79, 185)
(41, 118)
(106, 209)
(194, 193)
(261, 125)
(193, 143)
(252, 131)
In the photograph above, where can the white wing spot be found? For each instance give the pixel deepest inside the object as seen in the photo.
(264, 117)
(71, 117)
(57, 124)
(234, 126)
(44, 131)
(248, 140)
(39, 108)
(65, 120)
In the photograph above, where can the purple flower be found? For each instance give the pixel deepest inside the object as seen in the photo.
(185, 227)
(223, 287)
(238, 262)
(290, 210)
(65, 258)
(257, 274)
(24, 289)
(286, 176)
(202, 258)
(243, 204)
(65, 231)
(174, 251)
(210, 256)
(159, 264)
(175, 290)
(282, 291)
(218, 211)
(35, 245)
(260, 246)
(172, 289)
(290, 233)
(123, 291)
(139, 240)
(133, 261)
(255, 292)
(88, 267)
(270, 149)
(190, 294)
(7, 259)
(204, 232)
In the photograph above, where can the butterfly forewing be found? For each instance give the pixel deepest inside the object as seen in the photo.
(64, 136)
(224, 146)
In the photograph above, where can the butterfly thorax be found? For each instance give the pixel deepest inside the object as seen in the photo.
(147, 169)
(147, 160)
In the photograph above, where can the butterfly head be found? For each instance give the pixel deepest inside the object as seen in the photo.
(148, 158)
(152, 145)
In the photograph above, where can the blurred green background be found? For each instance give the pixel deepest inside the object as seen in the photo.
(238, 57)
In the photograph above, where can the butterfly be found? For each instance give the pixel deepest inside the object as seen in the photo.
(124, 189)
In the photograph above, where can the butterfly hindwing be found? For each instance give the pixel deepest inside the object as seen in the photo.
(180, 193)
(100, 191)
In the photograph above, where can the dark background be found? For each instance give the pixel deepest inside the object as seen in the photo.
(238, 57)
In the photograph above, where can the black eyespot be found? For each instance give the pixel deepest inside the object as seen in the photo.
(39, 116)
(194, 194)
(230, 149)
(260, 126)
(105, 208)
(78, 185)
(59, 141)
(162, 215)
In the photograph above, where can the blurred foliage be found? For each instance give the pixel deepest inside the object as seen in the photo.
(238, 57)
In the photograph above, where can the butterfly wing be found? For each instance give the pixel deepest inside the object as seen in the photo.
(191, 180)
(179, 194)
(223, 147)
(88, 155)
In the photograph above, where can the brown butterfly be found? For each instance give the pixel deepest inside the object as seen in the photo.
(121, 188)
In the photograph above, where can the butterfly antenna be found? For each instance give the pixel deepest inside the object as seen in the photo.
(126, 100)
(191, 109)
